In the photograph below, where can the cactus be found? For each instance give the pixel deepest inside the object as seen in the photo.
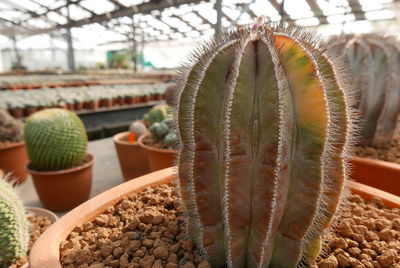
(11, 129)
(264, 122)
(165, 133)
(157, 114)
(138, 128)
(374, 62)
(55, 139)
(14, 234)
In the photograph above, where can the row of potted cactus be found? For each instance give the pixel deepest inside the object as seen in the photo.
(24, 103)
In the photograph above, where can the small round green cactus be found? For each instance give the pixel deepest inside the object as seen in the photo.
(55, 139)
(165, 132)
(14, 234)
(157, 114)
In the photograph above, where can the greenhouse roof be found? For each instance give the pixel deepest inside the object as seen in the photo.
(156, 20)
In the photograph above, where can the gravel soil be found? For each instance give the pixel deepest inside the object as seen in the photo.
(37, 226)
(390, 153)
(146, 230)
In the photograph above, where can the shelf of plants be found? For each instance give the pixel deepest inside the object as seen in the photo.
(25, 102)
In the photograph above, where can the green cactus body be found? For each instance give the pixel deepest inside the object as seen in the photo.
(14, 234)
(11, 129)
(55, 139)
(263, 121)
(157, 114)
(374, 62)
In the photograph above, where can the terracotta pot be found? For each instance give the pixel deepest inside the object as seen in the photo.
(13, 158)
(129, 100)
(121, 101)
(158, 158)
(78, 106)
(132, 158)
(41, 212)
(64, 189)
(16, 112)
(70, 106)
(376, 173)
(46, 251)
(29, 110)
(105, 103)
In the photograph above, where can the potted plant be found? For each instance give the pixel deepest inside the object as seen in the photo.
(16, 108)
(261, 170)
(61, 169)
(373, 60)
(13, 157)
(20, 226)
(132, 158)
(161, 143)
(30, 107)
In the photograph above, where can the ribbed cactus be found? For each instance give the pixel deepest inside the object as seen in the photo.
(374, 62)
(14, 228)
(55, 139)
(11, 129)
(264, 125)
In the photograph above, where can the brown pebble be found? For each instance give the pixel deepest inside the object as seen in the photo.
(330, 262)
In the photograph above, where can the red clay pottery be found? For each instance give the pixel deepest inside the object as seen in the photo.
(63, 189)
(46, 251)
(158, 158)
(376, 173)
(132, 158)
(13, 158)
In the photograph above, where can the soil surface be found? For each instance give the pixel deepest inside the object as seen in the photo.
(146, 230)
(37, 227)
(368, 236)
(390, 153)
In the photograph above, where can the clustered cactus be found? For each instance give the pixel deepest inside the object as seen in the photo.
(374, 62)
(55, 139)
(165, 132)
(264, 122)
(14, 234)
(157, 114)
(11, 129)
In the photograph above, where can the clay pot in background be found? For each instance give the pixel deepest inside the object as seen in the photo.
(132, 158)
(129, 100)
(16, 112)
(63, 189)
(121, 101)
(29, 110)
(13, 159)
(78, 106)
(158, 158)
(376, 173)
(105, 103)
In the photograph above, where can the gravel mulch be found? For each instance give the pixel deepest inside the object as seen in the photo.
(390, 153)
(368, 236)
(37, 226)
(146, 230)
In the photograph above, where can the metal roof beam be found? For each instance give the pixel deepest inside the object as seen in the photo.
(315, 8)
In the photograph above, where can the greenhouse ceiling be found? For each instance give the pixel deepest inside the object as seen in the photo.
(154, 20)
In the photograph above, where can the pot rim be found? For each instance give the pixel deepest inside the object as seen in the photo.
(149, 148)
(52, 216)
(8, 145)
(117, 139)
(382, 163)
(63, 171)
(45, 253)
